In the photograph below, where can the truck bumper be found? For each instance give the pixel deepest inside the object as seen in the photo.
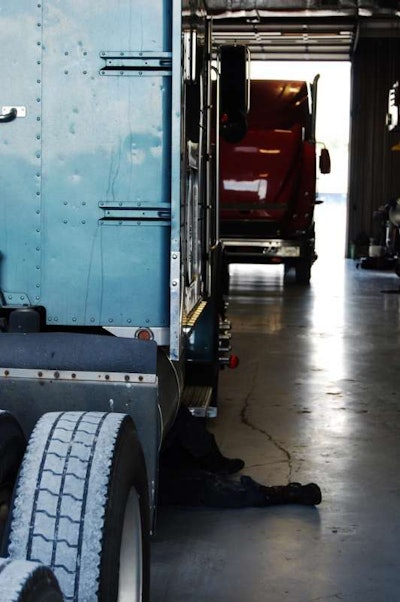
(267, 250)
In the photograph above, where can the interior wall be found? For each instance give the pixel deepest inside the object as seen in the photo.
(374, 169)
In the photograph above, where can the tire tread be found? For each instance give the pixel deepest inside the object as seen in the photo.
(57, 534)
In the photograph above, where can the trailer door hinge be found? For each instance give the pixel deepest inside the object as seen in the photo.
(139, 64)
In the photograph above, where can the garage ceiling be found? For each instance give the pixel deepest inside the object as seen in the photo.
(302, 29)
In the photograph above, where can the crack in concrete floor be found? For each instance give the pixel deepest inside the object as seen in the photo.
(244, 417)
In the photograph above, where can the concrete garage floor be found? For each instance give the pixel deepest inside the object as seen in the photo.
(316, 398)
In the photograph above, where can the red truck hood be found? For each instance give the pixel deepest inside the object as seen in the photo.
(260, 174)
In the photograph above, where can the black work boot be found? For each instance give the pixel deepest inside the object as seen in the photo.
(294, 493)
(218, 464)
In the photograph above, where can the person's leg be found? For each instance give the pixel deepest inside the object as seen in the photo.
(179, 488)
(293, 493)
(189, 444)
(201, 488)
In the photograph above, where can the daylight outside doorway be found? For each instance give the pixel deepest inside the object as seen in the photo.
(332, 130)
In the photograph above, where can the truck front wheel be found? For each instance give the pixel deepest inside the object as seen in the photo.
(303, 271)
(24, 581)
(81, 506)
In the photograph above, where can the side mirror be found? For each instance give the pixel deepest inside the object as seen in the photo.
(233, 92)
(233, 126)
(324, 161)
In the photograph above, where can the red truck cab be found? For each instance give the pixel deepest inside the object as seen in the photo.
(268, 178)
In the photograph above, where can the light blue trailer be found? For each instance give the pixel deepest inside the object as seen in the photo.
(109, 274)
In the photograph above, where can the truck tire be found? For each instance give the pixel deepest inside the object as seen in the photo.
(12, 448)
(225, 278)
(81, 506)
(24, 581)
(303, 271)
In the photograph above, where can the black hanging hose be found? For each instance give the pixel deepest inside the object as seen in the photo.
(10, 116)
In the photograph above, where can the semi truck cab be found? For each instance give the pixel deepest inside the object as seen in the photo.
(268, 178)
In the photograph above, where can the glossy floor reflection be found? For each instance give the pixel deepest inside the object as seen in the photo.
(316, 397)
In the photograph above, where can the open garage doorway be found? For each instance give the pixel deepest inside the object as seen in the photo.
(332, 130)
